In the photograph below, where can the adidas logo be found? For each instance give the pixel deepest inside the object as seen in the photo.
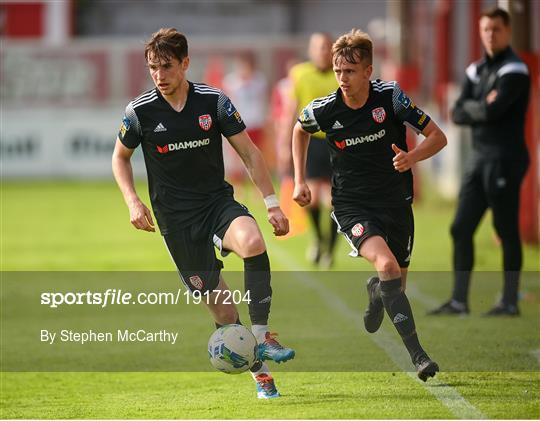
(399, 318)
(160, 128)
(337, 125)
(265, 300)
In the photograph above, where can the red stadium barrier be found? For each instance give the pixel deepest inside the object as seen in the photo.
(529, 220)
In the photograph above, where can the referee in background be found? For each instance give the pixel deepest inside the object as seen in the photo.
(313, 79)
(494, 103)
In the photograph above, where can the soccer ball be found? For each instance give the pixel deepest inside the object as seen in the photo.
(232, 349)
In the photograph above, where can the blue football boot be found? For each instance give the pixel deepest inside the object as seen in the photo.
(266, 389)
(271, 349)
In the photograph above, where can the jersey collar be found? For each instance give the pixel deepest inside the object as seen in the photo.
(339, 96)
(190, 93)
(499, 56)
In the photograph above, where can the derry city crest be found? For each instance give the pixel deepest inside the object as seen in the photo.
(205, 121)
(378, 114)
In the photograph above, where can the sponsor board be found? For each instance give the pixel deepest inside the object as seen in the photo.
(34, 144)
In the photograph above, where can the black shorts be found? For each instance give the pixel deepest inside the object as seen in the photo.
(395, 225)
(318, 159)
(192, 247)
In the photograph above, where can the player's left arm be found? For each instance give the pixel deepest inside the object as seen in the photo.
(510, 88)
(306, 125)
(258, 171)
(300, 144)
(434, 141)
(234, 129)
(413, 117)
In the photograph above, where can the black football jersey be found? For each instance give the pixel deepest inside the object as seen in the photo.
(182, 150)
(360, 144)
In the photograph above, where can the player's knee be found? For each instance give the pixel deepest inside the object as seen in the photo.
(253, 245)
(388, 266)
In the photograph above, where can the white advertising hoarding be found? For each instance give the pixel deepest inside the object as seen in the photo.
(61, 142)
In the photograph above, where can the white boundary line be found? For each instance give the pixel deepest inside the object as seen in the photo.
(536, 354)
(427, 300)
(444, 393)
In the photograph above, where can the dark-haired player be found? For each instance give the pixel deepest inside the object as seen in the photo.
(179, 125)
(372, 180)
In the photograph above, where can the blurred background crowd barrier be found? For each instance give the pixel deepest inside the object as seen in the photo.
(69, 68)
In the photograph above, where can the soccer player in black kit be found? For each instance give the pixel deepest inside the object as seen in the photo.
(493, 102)
(372, 187)
(179, 125)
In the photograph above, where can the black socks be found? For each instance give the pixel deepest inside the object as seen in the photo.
(257, 282)
(399, 310)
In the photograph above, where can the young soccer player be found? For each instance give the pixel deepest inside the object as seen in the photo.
(179, 125)
(372, 187)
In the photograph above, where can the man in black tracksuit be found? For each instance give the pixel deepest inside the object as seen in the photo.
(494, 103)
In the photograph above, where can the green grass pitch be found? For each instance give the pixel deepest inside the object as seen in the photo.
(84, 226)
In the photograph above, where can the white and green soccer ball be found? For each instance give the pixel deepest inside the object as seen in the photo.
(232, 349)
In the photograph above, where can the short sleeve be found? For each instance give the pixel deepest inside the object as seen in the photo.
(230, 121)
(407, 112)
(308, 120)
(130, 133)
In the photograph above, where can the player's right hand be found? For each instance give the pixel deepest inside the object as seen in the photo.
(302, 194)
(141, 217)
(279, 221)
